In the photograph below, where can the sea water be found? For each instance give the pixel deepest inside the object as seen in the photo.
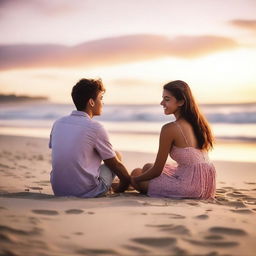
(137, 127)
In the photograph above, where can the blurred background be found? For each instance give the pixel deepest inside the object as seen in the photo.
(135, 47)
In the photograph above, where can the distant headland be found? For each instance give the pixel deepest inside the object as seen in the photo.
(6, 98)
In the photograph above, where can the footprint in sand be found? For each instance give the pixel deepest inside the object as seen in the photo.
(212, 243)
(96, 252)
(193, 203)
(45, 212)
(78, 233)
(74, 211)
(155, 241)
(202, 217)
(228, 231)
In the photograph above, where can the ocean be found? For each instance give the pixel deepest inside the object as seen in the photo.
(134, 127)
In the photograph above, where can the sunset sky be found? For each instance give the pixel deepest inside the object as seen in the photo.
(135, 46)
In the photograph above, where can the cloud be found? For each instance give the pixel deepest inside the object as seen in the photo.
(48, 8)
(110, 51)
(130, 82)
(246, 24)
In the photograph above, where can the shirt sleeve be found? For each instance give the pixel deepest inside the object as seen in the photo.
(50, 140)
(103, 145)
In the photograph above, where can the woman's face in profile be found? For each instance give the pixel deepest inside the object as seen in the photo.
(169, 103)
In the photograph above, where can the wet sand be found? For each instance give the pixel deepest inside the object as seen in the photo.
(34, 222)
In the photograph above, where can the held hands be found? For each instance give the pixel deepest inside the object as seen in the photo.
(133, 181)
(120, 187)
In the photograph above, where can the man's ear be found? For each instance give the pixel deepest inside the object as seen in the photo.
(91, 102)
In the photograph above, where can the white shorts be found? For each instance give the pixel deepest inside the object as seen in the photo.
(106, 175)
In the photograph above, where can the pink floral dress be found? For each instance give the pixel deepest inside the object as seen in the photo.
(192, 177)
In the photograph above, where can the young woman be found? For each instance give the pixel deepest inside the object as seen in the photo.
(187, 140)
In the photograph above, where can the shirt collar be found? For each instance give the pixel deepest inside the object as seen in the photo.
(79, 113)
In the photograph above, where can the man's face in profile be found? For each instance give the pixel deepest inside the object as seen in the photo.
(98, 107)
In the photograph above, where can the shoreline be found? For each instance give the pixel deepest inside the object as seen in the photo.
(224, 150)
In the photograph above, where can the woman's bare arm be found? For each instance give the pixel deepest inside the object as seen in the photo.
(165, 142)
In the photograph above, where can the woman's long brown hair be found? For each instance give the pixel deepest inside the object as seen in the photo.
(191, 113)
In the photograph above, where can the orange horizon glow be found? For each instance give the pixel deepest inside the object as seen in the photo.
(214, 54)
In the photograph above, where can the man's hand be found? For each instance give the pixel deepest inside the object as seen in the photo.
(133, 182)
(119, 169)
(120, 187)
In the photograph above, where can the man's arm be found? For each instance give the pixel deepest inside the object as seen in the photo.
(119, 169)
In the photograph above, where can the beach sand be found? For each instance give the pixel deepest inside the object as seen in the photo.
(34, 222)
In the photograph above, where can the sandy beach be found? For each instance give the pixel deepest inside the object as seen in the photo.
(34, 222)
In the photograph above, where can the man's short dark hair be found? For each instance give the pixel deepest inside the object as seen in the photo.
(84, 90)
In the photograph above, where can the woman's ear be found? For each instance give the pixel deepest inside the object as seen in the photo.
(91, 102)
(181, 103)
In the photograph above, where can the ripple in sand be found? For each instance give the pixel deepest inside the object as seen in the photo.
(34, 188)
(177, 216)
(45, 212)
(212, 243)
(5, 238)
(155, 241)
(228, 231)
(42, 181)
(214, 237)
(74, 211)
(4, 166)
(250, 201)
(236, 194)
(221, 190)
(242, 211)
(171, 215)
(176, 229)
(34, 220)
(135, 249)
(96, 252)
(236, 204)
(7, 252)
(26, 195)
(15, 231)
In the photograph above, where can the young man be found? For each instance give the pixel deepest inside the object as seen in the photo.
(79, 144)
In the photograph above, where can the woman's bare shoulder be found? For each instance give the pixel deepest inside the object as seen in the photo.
(169, 127)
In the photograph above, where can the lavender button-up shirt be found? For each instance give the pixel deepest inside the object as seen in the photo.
(79, 144)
